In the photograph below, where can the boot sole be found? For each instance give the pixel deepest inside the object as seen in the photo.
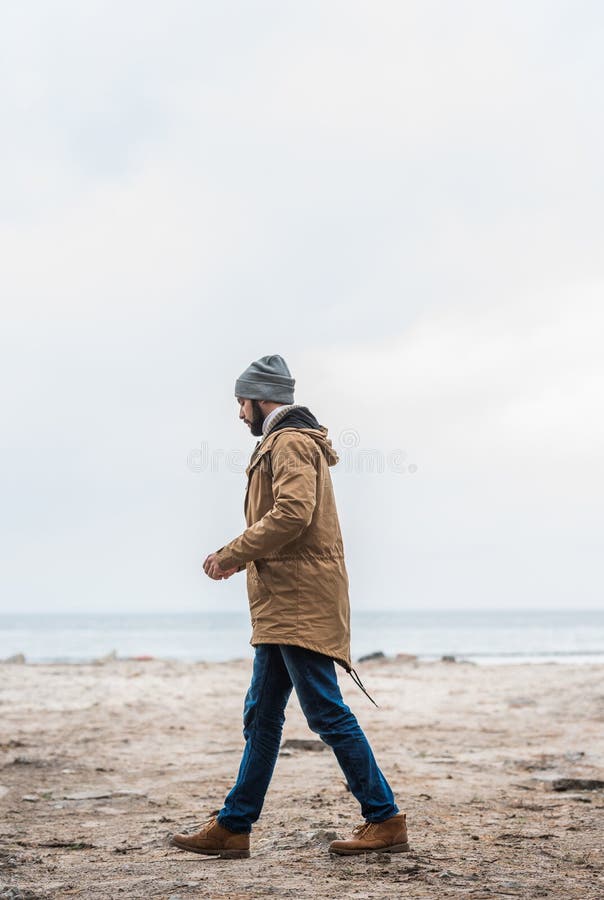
(393, 848)
(222, 854)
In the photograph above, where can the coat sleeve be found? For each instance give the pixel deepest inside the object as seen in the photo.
(295, 465)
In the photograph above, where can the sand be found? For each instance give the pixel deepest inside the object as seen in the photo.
(100, 764)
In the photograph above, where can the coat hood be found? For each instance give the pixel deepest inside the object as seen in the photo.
(319, 435)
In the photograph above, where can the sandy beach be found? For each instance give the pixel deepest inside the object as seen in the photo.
(497, 768)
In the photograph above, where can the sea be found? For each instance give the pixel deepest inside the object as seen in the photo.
(480, 636)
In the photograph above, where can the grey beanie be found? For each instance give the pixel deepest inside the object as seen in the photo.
(268, 378)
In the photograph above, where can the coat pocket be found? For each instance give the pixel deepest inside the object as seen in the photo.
(276, 605)
(262, 576)
(280, 580)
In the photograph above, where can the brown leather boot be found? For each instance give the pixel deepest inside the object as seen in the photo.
(212, 838)
(389, 836)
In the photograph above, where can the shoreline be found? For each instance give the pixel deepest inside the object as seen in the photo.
(477, 636)
(500, 659)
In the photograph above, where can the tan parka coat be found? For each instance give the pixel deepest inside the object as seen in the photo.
(292, 548)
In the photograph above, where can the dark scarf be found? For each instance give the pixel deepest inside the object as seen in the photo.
(299, 417)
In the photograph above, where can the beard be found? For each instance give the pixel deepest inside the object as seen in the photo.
(257, 419)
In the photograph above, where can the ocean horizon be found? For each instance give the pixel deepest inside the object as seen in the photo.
(480, 636)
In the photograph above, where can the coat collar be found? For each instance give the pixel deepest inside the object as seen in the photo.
(263, 446)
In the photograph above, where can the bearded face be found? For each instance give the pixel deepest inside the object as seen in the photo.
(257, 419)
(252, 415)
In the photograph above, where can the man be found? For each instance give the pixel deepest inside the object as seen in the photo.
(297, 584)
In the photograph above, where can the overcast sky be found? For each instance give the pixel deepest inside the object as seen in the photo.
(404, 199)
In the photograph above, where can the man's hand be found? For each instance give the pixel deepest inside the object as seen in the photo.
(213, 570)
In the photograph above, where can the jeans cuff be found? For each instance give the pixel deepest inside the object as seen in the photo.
(225, 824)
(384, 818)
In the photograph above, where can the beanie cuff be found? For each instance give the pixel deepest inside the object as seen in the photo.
(254, 390)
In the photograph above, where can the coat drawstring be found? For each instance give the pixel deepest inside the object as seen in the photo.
(359, 683)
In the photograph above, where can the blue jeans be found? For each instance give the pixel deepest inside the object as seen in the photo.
(277, 669)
